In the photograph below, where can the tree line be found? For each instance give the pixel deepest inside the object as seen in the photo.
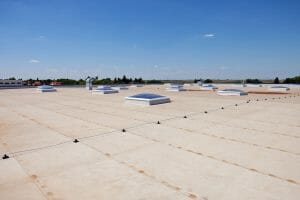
(294, 80)
(126, 80)
(96, 81)
(117, 80)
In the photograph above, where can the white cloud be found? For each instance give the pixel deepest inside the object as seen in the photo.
(209, 35)
(34, 61)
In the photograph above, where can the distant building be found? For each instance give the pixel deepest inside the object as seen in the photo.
(55, 83)
(37, 83)
(11, 83)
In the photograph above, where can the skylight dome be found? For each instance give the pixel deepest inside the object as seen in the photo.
(104, 90)
(208, 87)
(120, 87)
(253, 85)
(232, 92)
(104, 87)
(136, 85)
(46, 88)
(279, 88)
(175, 88)
(147, 99)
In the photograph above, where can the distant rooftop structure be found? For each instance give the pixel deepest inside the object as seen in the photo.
(55, 83)
(253, 85)
(199, 83)
(36, 83)
(175, 88)
(208, 87)
(104, 90)
(119, 87)
(89, 83)
(279, 88)
(148, 99)
(136, 85)
(232, 92)
(11, 83)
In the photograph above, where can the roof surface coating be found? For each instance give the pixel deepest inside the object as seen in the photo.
(74, 145)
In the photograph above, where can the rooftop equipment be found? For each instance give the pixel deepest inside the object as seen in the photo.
(104, 90)
(208, 87)
(175, 88)
(89, 83)
(232, 92)
(136, 85)
(147, 99)
(120, 87)
(238, 85)
(279, 88)
(253, 85)
(46, 88)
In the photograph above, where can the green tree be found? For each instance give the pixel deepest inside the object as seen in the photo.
(296, 80)
(81, 82)
(196, 80)
(208, 81)
(66, 81)
(276, 80)
(154, 82)
(254, 81)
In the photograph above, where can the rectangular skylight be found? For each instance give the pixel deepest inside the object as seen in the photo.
(148, 99)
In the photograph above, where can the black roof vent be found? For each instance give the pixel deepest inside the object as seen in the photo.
(76, 141)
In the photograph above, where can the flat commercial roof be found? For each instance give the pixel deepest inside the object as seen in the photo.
(74, 145)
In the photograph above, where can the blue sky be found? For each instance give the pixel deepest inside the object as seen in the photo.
(161, 39)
